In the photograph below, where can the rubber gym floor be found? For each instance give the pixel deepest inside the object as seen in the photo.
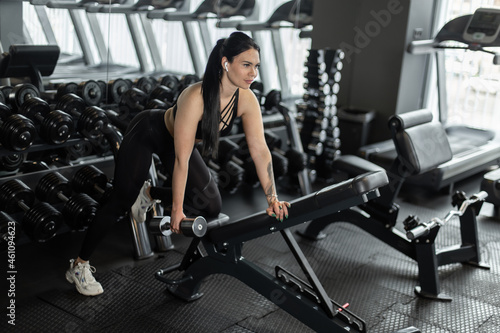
(354, 267)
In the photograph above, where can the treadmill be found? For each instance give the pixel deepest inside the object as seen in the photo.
(474, 150)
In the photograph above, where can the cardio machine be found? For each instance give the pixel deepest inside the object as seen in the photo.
(473, 150)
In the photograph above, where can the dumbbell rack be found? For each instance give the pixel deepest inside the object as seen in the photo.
(317, 111)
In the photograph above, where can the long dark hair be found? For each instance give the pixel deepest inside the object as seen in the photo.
(230, 47)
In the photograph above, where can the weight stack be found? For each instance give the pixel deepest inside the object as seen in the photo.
(317, 110)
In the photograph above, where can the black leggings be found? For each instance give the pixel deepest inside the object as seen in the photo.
(147, 135)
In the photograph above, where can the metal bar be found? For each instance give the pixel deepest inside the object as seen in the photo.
(279, 55)
(45, 23)
(83, 39)
(151, 41)
(326, 304)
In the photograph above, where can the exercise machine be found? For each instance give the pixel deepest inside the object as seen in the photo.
(474, 150)
(421, 145)
(223, 244)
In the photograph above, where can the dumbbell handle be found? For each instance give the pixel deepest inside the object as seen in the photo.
(23, 206)
(61, 196)
(193, 227)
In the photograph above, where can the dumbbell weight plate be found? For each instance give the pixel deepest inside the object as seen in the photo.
(12, 192)
(2, 98)
(66, 88)
(79, 211)
(162, 93)
(88, 178)
(273, 98)
(11, 162)
(18, 133)
(21, 93)
(146, 84)
(91, 122)
(50, 185)
(170, 81)
(42, 221)
(33, 107)
(116, 88)
(90, 91)
(132, 101)
(57, 127)
(5, 91)
(71, 104)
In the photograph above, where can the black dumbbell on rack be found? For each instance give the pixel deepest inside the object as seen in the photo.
(79, 209)
(91, 92)
(92, 181)
(146, 84)
(230, 152)
(132, 102)
(17, 133)
(295, 160)
(229, 175)
(115, 89)
(53, 126)
(40, 220)
(90, 120)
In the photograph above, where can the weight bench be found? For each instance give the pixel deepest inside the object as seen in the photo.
(223, 244)
(491, 185)
(421, 145)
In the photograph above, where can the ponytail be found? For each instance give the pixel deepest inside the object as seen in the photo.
(211, 101)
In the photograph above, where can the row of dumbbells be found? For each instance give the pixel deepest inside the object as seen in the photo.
(317, 112)
(26, 116)
(55, 201)
(235, 167)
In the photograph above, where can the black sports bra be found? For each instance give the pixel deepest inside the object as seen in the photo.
(227, 116)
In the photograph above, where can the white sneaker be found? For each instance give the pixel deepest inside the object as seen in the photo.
(81, 276)
(142, 204)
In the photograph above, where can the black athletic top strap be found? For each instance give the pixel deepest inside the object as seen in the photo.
(228, 114)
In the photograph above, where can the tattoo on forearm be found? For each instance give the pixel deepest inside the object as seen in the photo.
(270, 190)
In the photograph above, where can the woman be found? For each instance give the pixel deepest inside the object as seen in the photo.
(204, 111)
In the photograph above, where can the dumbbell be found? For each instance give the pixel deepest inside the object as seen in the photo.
(40, 221)
(54, 127)
(116, 88)
(170, 81)
(146, 84)
(79, 209)
(191, 227)
(17, 132)
(90, 91)
(20, 93)
(296, 160)
(258, 89)
(66, 88)
(229, 176)
(5, 91)
(90, 120)
(94, 182)
(10, 231)
(162, 93)
(11, 162)
(230, 151)
(273, 99)
(132, 102)
(279, 161)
